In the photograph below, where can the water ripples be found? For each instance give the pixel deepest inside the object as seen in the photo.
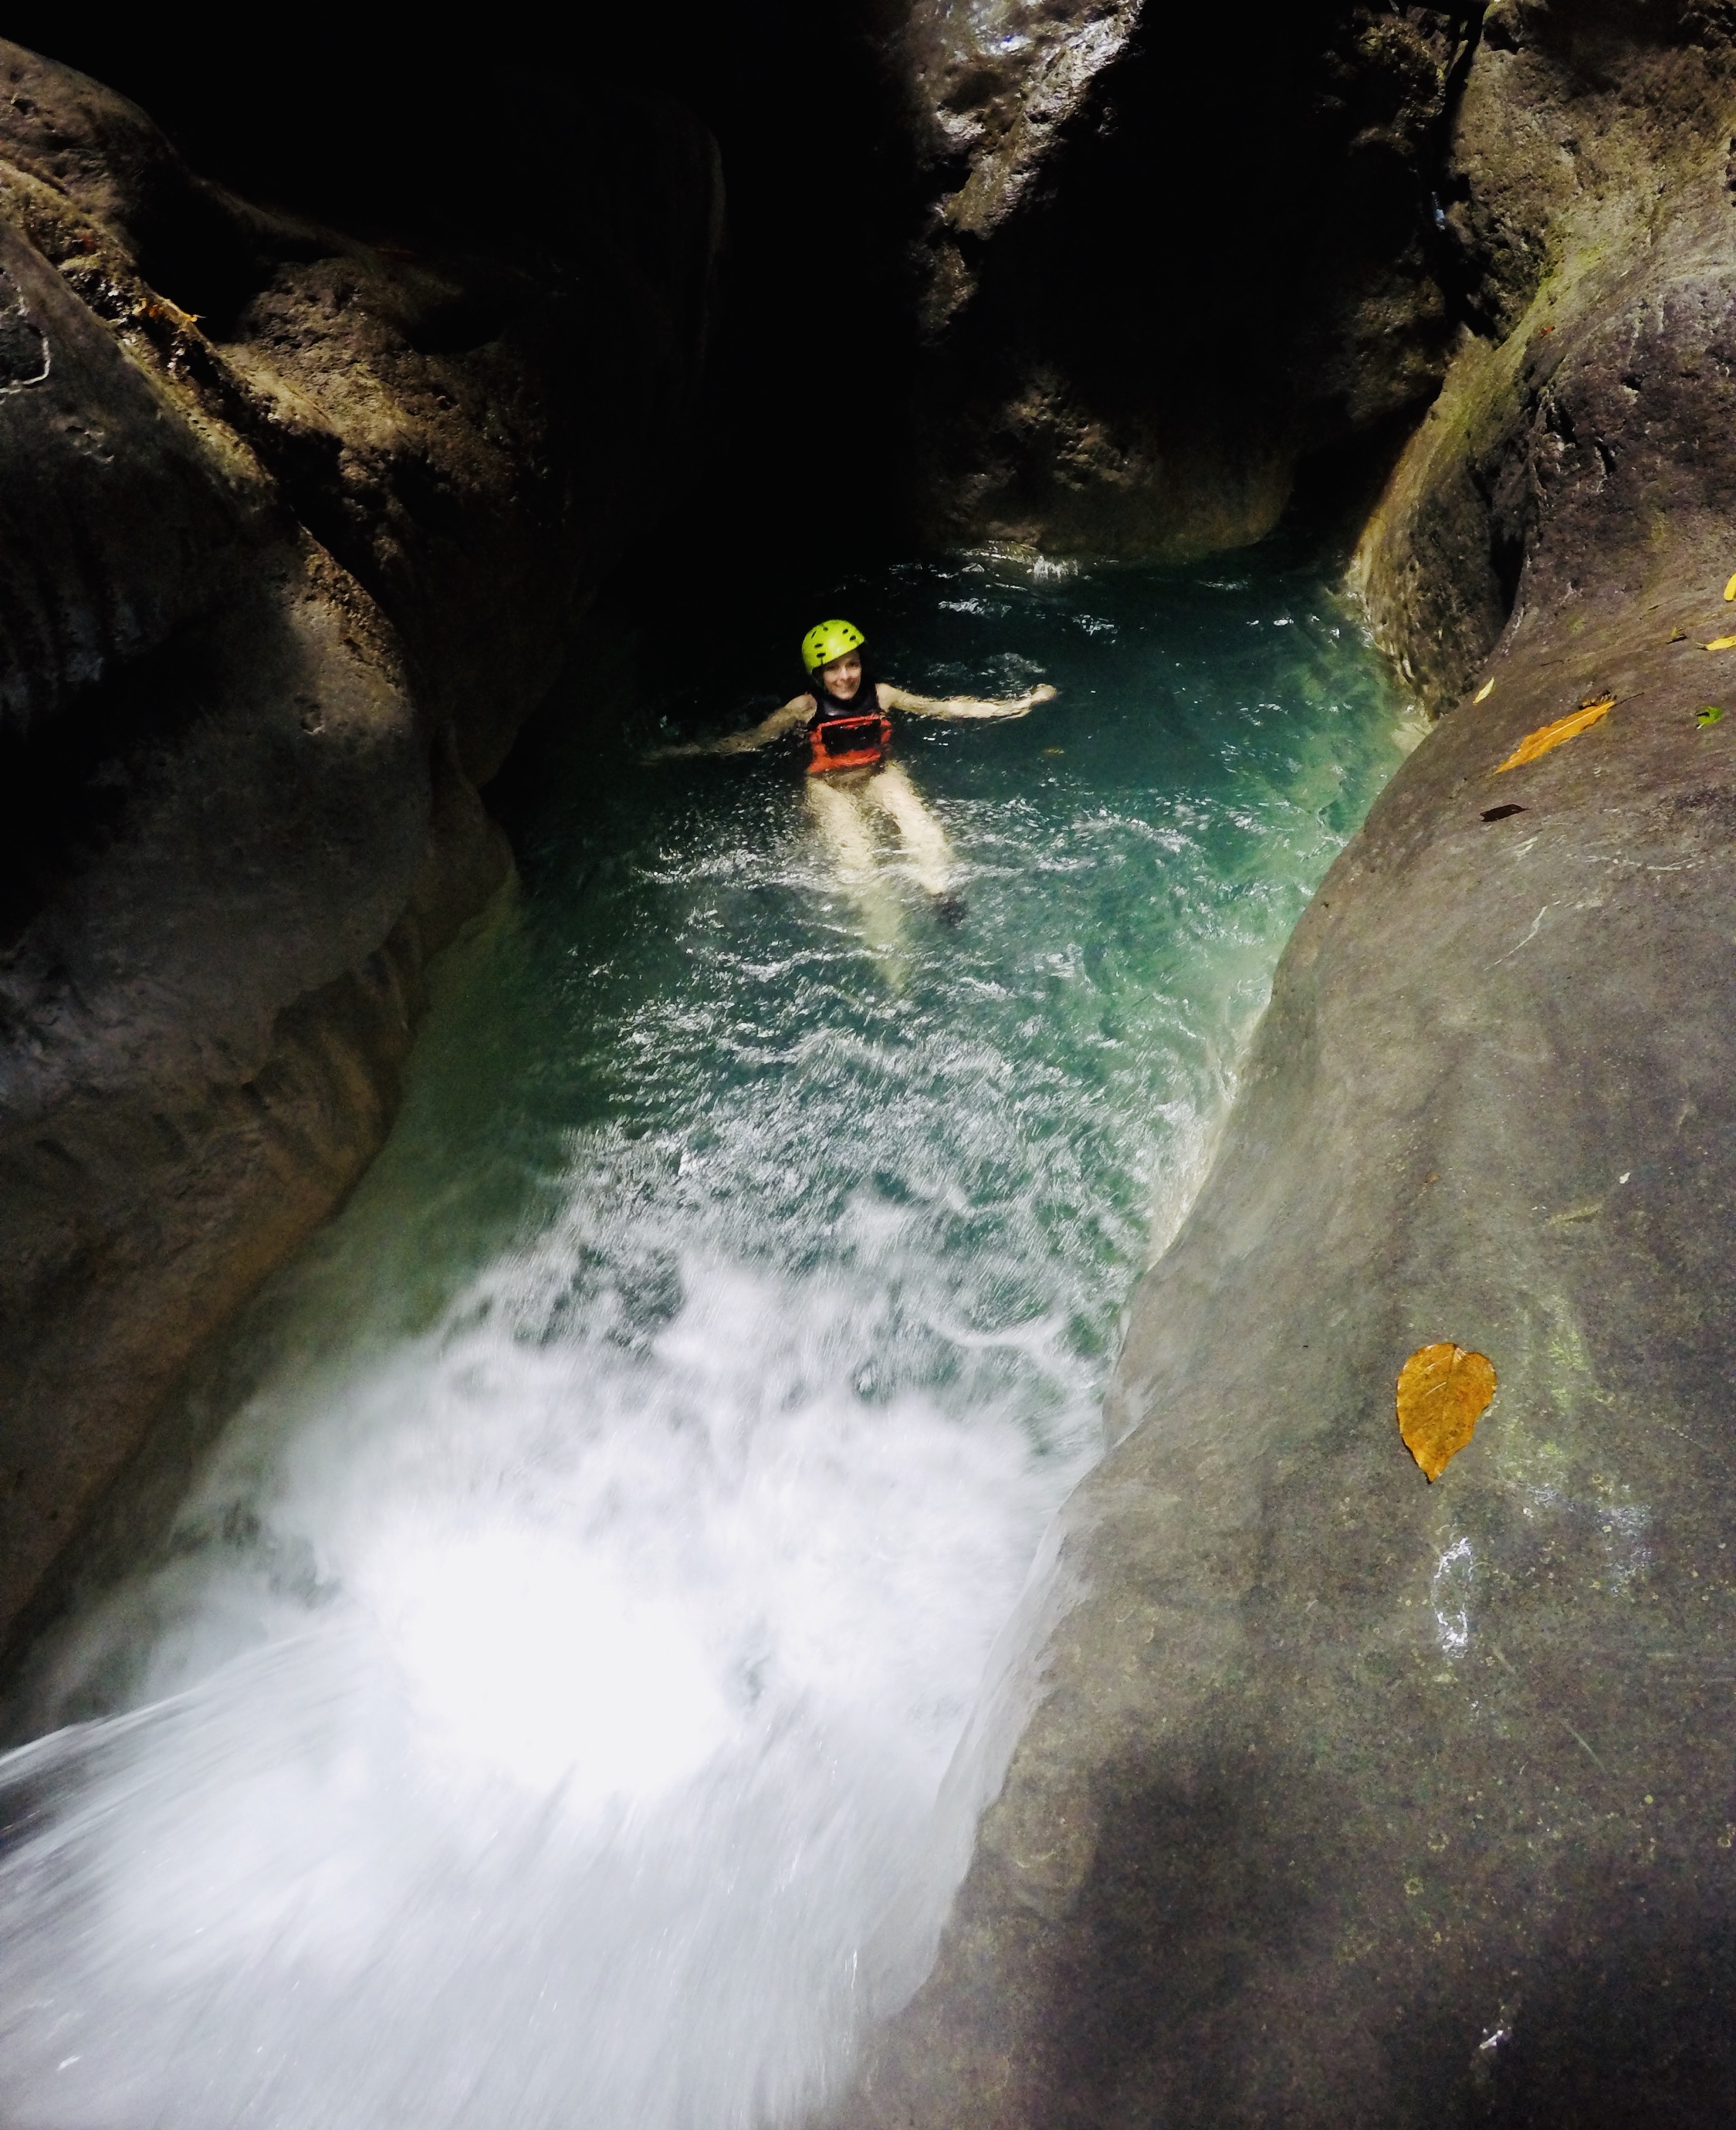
(535, 1709)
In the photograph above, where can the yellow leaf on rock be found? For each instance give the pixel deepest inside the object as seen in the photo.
(1484, 693)
(1729, 590)
(1568, 728)
(1443, 1391)
(1721, 643)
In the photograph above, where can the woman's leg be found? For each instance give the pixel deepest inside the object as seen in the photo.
(840, 815)
(930, 855)
(842, 830)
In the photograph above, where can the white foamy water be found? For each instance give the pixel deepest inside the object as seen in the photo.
(573, 1783)
(533, 1713)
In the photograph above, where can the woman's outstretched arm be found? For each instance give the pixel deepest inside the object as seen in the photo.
(797, 711)
(961, 706)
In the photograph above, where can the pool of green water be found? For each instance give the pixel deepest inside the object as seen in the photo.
(979, 1130)
(610, 1517)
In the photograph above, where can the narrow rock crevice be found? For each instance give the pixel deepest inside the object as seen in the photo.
(305, 494)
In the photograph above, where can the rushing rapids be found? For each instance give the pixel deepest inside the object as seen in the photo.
(536, 1709)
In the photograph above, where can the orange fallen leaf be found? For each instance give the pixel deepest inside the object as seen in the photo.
(1443, 1391)
(1568, 728)
(1721, 643)
(1484, 693)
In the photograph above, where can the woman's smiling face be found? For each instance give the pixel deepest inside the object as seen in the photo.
(843, 676)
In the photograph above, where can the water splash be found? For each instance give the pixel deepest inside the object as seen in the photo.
(534, 1710)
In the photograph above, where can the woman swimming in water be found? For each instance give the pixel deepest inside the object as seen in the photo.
(849, 736)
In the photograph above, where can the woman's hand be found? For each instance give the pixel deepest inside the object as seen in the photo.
(1021, 706)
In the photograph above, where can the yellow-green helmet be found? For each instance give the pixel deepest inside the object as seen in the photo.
(829, 640)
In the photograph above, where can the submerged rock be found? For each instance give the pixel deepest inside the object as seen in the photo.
(1344, 1798)
(292, 529)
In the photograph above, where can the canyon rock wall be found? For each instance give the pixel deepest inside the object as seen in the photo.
(1572, 459)
(1344, 1798)
(1163, 257)
(292, 532)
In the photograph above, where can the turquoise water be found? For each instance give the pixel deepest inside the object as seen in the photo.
(536, 1713)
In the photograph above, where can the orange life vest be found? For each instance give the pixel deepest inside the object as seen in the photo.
(847, 742)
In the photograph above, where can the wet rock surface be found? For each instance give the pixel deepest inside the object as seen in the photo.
(293, 531)
(1345, 1798)
(1166, 256)
(1572, 459)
